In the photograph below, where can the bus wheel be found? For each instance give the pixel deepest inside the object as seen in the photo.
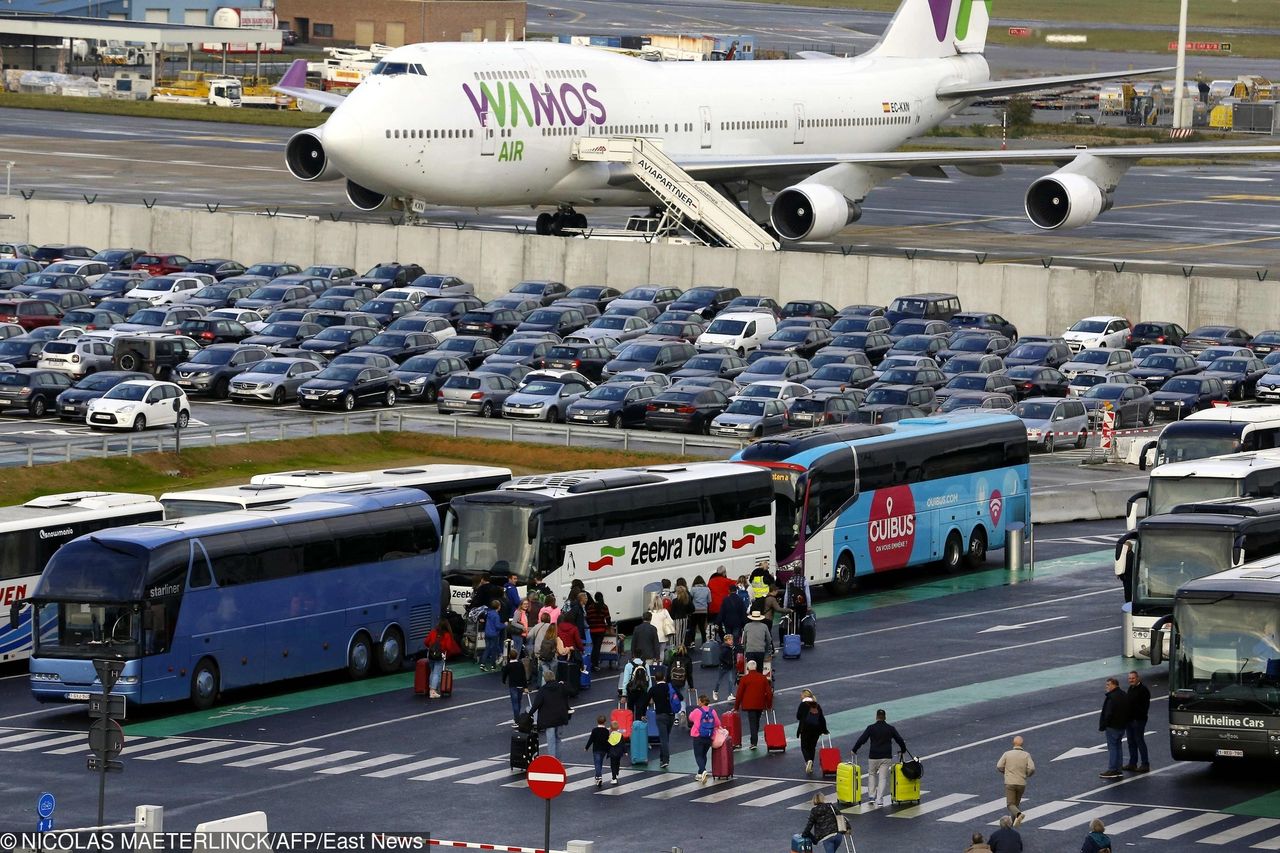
(951, 553)
(391, 651)
(976, 554)
(842, 579)
(359, 657)
(204, 685)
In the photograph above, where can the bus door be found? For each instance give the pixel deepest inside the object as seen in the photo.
(833, 485)
(162, 643)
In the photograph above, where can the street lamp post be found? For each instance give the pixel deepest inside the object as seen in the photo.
(1179, 81)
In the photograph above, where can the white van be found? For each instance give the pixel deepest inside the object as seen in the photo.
(742, 331)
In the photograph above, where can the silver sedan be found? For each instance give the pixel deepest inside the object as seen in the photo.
(273, 380)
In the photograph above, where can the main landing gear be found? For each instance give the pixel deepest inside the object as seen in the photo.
(556, 223)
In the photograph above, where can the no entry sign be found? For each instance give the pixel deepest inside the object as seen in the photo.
(546, 777)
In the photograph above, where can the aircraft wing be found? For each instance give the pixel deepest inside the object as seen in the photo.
(294, 84)
(815, 54)
(798, 167)
(993, 88)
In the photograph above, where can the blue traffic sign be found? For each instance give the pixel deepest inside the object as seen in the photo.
(45, 825)
(44, 806)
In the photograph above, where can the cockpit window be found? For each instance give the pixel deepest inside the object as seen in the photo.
(391, 68)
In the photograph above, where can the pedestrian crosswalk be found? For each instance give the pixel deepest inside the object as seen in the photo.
(1129, 822)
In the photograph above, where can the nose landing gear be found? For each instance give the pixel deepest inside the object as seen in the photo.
(555, 223)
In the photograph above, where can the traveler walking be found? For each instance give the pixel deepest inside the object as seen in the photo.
(978, 845)
(768, 605)
(666, 627)
(719, 586)
(512, 591)
(823, 826)
(519, 626)
(1139, 709)
(513, 675)
(1097, 840)
(700, 598)
(728, 667)
(551, 705)
(703, 722)
(441, 645)
(1113, 721)
(760, 583)
(811, 724)
(755, 696)
(1005, 839)
(598, 743)
(733, 615)
(542, 645)
(1017, 766)
(599, 621)
(757, 641)
(644, 641)
(494, 634)
(881, 736)
(617, 748)
(681, 675)
(660, 701)
(681, 610)
(638, 690)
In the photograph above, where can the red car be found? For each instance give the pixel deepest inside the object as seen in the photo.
(30, 313)
(161, 264)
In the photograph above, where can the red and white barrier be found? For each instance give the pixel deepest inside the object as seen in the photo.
(472, 845)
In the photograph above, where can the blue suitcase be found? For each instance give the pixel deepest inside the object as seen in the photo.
(651, 727)
(640, 742)
(791, 647)
(800, 844)
(585, 680)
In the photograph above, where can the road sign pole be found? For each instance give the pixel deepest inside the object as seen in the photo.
(102, 785)
(546, 835)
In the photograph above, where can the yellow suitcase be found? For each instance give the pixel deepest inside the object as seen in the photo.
(848, 784)
(904, 790)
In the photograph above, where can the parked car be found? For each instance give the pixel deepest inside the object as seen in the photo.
(971, 342)
(1153, 371)
(750, 417)
(545, 398)
(387, 310)
(495, 323)
(1209, 355)
(73, 403)
(658, 356)
(526, 351)
(1042, 353)
(274, 380)
(1104, 331)
(472, 349)
(1100, 359)
(706, 300)
(220, 295)
(808, 308)
(827, 406)
(614, 404)
(1154, 332)
(76, 358)
(1082, 382)
(219, 268)
(136, 405)
(1183, 395)
(123, 306)
(422, 376)
(616, 327)
(159, 318)
(929, 345)
(559, 320)
(882, 397)
(1239, 375)
(914, 326)
(114, 284)
(399, 346)
(65, 300)
(972, 363)
(827, 355)
(655, 295)
(545, 292)
(887, 414)
(1034, 380)
(472, 393)
(54, 252)
(214, 330)
(211, 370)
(119, 259)
(336, 275)
(791, 368)
(964, 401)
(1132, 404)
(452, 308)
(1268, 388)
(925, 306)
(23, 351)
(16, 250)
(345, 386)
(90, 319)
(23, 266)
(31, 388)
(859, 323)
(587, 359)
(154, 354)
(739, 331)
(284, 334)
(46, 280)
(336, 340)
(1051, 423)
(920, 374)
(521, 303)
(597, 294)
(1147, 350)
(799, 340)
(994, 383)
(1202, 337)
(390, 274)
(773, 389)
(724, 365)
(161, 263)
(984, 320)
(685, 410)
(30, 313)
(272, 297)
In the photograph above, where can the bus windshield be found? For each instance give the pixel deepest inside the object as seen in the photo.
(1198, 439)
(1164, 493)
(1228, 652)
(478, 535)
(1168, 559)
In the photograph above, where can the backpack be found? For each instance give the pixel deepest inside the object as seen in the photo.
(678, 674)
(639, 681)
(547, 646)
(706, 723)
(673, 696)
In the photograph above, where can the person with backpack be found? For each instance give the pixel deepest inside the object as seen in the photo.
(551, 705)
(638, 691)
(811, 725)
(700, 596)
(728, 666)
(567, 632)
(494, 634)
(660, 700)
(1097, 841)
(624, 680)
(513, 675)
(599, 621)
(598, 743)
(703, 722)
(823, 826)
(441, 645)
(542, 644)
(681, 674)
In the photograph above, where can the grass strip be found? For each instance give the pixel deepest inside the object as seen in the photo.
(151, 109)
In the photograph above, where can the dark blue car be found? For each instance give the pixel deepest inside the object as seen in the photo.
(1183, 395)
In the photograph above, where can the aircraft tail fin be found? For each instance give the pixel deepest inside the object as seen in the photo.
(931, 29)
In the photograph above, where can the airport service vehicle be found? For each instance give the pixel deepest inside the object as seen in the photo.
(442, 482)
(29, 535)
(1224, 665)
(856, 499)
(195, 87)
(617, 530)
(1252, 474)
(327, 582)
(1192, 541)
(1214, 432)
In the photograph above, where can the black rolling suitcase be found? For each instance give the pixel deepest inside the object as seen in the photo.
(524, 748)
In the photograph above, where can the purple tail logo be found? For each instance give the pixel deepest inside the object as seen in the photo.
(941, 12)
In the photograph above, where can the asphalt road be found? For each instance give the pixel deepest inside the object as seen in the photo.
(961, 663)
(1165, 218)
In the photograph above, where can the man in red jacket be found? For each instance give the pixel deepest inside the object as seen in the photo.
(720, 586)
(754, 695)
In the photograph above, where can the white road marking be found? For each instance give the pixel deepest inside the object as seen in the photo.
(1186, 826)
(274, 757)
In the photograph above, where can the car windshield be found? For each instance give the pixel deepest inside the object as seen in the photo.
(706, 362)
(793, 334)
(334, 333)
(389, 339)
(1030, 351)
(611, 393)
(212, 356)
(382, 273)
(726, 327)
(212, 292)
(1093, 357)
(271, 294)
(1182, 386)
(971, 343)
(771, 366)
(469, 383)
(433, 282)
(545, 316)
(157, 285)
(961, 401)
(458, 345)
(908, 306)
(900, 376)
(881, 396)
(97, 382)
(613, 322)
(320, 272)
(59, 347)
(15, 347)
(78, 318)
(914, 342)
(127, 391)
(149, 317)
(1091, 326)
(421, 364)
(1105, 391)
(282, 330)
(746, 406)
(542, 388)
(1159, 362)
(340, 372)
(640, 352)
(274, 368)
(518, 348)
(834, 373)
(643, 294)
(1230, 365)
(534, 288)
(1034, 411)
(1088, 380)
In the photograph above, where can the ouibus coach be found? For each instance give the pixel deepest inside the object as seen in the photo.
(858, 500)
(196, 606)
(616, 530)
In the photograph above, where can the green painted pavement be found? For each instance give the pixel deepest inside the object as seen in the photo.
(270, 706)
(850, 723)
(1268, 805)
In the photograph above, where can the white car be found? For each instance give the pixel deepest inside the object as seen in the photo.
(78, 357)
(773, 389)
(1098, 360)
(247, 317)
(170, 289)
(1109, 331)
(89, 270)
(138, 405)
(739, 331)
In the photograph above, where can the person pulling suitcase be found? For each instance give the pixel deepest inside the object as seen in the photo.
(881, 736)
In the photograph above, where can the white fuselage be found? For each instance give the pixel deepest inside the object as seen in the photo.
(494, 124)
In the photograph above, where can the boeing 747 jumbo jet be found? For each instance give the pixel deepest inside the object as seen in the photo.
(512, 123)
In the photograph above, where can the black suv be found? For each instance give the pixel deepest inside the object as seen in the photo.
(31, 388)
(389, 275)
(1155, 332)
(156, 354)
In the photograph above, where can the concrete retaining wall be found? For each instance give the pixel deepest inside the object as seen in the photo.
(1038, 300)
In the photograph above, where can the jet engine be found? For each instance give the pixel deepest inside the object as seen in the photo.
(812, 212)
(364, 198)
(1066, 200)
(305, 157)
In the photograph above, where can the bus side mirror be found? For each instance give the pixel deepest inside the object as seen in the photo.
(1137, 509)
(1147, 448)
(531, 529)
(1156, 652)
(14, 610)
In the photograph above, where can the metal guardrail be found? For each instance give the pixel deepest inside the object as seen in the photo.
(162, 441)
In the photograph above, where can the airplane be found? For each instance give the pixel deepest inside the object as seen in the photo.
(494, 124)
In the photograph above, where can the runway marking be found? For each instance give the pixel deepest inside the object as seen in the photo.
(1222, 244)
(1245, 198)
(109, 158)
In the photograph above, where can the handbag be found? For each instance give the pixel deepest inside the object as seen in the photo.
(720, 737)
(842, 822)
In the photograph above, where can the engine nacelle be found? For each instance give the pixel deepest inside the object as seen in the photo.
(306, 160)
(812, 212)
(1066, 200)
(364, 198)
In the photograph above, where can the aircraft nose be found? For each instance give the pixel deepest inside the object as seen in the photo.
(344, 136)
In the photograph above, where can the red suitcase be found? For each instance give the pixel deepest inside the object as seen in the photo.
(421, 676)
(775, 736)
(733, 723)
(722, 762)
(624, 718)
(828, 758)
(742, 664)
(446, 680)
